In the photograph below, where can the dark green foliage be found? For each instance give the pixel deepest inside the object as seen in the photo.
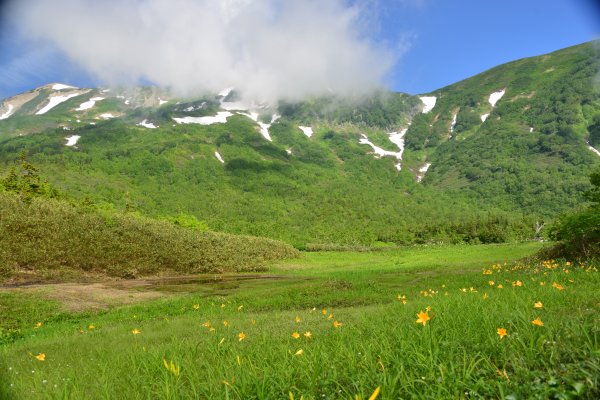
(594, 130)
(579, 232)
(49, 237)
(24, 180)
(466, 119)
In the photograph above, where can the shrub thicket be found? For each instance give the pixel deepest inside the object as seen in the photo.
(50, 237)
(578, 232)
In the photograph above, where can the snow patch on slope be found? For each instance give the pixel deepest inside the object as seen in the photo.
(453, 124)
(220, 118)
(89, 104)
(107, 116)
(225, 92)
(61, 86)
(218, 155)
(595, 150)
(8, 113)
(147, 124)
(428, 102)
(395, 137)
(264, 128)
(72, 140)
(307, 130)
(422, 171)
(494, 97)
(54, 101)
(484, 117)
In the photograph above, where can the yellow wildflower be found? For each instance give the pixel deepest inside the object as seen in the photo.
(299, 352)
(423, 318)
(296, 335)
(375, 393)
(538, 304)
(330, 317)
(196, 306)
(502, 332)
(91, 327)
(308, 334)
(558, 286)
(39, 324)
(241, 336)
(240, 308)
(324, 312)
(136, 331)
(537, 322)
(337, 324)
(41, 357)
(225, 323)
(171, 367)
(500, 286)
(491, 283)
(297, 319)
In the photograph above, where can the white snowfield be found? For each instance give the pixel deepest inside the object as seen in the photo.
(89, 104)
(61, 86)
(422, 171)
(72, 140)
(484, 117)
(494, 97)
(289, 151)
(218, 155)
(8, 113)
(307, 130)
(54, 101)
(107, 116)
(530, 129)
(429, 103)
(595, 150)
(147, 124)
(161, 102)
(220, 118)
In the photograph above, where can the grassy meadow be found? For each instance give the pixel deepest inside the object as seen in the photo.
(423, 322)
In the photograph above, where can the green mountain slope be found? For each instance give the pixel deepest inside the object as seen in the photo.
(531, 153)
(332, 170)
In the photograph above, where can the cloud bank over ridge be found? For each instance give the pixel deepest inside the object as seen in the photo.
(267, 49)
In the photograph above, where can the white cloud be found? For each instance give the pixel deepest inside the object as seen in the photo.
(268, 49)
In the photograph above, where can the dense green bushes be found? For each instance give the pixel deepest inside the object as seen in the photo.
(49, 237)
(579, 232)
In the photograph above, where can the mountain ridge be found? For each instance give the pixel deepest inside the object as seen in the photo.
(482, 159)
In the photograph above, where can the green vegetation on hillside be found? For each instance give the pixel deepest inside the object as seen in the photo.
(41, 237)
(491, 181)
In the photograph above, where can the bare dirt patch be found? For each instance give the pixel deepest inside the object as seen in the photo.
(94, 296)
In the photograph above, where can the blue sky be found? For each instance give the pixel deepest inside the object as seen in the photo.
(437, 42)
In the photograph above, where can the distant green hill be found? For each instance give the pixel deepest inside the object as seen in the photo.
(330, 170)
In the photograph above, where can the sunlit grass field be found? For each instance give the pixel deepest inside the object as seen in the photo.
(424, 322)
